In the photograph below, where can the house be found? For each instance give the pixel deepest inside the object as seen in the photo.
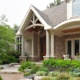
(51, 33)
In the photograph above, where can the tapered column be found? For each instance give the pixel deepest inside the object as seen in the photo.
(72, 49)
(23, 47)
(32, 44)
(47, 44)
(52, 44)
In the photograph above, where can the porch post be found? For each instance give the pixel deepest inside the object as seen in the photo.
(32, 45)
(23, 47)
(72, 49)
(47, 44)
(52, 44)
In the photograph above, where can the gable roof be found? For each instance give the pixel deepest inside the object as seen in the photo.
(57, 14)
(49, 18)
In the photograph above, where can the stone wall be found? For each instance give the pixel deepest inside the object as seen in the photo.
(59, 46)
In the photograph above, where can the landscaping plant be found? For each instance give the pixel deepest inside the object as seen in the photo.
(1, 78)
(41, 73)
(63, 76)
(26, 65)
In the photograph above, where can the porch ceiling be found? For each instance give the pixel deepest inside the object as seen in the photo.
(68, 28)
(71, 30)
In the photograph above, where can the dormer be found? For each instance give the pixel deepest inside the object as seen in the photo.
(73, 8)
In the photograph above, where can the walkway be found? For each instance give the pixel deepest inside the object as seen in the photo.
(11, 73)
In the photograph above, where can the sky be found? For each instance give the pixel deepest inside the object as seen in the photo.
(15, 10)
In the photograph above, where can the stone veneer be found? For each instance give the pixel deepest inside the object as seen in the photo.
(60, 44)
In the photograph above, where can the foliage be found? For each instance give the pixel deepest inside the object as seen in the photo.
(54, 73)
(75, 72)
(43, 69)
(3, 19)
(48, 78)
(1, 78)
(34, 69)
(77, 78)
(26, 65)
(63, 76)
(26, 74)
(41, 73)
(16, 28)
(55, 3)
(62, 65)
(6, 40)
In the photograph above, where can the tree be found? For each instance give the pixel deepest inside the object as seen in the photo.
(55, 3)
(16, 28)
(3, 19)
(7, 39)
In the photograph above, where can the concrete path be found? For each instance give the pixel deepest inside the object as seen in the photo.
(11, 73)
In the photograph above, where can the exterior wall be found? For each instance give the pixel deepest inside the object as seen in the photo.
(28, 47)
(59, 46)
(69, 9)
(72, 36)
(59, 49)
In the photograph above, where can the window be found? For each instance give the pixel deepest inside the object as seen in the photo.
(76, 47)
(69, 48)
(76, 8)
(73, 47)
(18, 40)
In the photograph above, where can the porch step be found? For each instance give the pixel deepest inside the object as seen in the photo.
(38, 63)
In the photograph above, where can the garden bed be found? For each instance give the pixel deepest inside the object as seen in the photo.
(53, 69)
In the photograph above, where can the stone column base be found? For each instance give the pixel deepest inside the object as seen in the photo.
(22, 58)
(35, 58)
(46, 57)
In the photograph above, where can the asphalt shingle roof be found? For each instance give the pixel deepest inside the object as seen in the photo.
(55, 15)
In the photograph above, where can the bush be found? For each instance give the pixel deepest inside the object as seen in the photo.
(41, 73)
(48, 78)
(75, 72)
(54, 73)
(43, 69)
(1, 78)
(26, 65)
(63, 76)
(78, 78)
(34, 69)
(61, 65)
(27, 74)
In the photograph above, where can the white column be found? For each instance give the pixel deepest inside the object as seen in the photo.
(23, 47)
(52, 44)
(72, 49)
(32, 44)
(38, 43)
(47, 44)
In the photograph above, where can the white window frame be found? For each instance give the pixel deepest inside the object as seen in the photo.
(72, 46)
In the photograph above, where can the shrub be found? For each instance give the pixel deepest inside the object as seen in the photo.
(26, 65)
(27, 74)
(41, 73)
(54, 73)
(43, 69)
(48, 78)
(34, 69)
(78, 78)
(63, 76)
(61, 65)
(1, 78)
(75, 72)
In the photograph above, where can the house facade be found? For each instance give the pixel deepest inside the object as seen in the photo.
(50, 33)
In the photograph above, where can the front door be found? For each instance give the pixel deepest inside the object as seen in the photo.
(42, 47)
